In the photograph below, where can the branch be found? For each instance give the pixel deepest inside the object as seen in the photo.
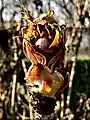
(75, 40)
(14, 80)
(64, 6)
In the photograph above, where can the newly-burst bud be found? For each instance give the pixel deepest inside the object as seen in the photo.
(44, 46)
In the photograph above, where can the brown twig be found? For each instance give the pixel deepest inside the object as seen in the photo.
(29, 97)
(14, 80)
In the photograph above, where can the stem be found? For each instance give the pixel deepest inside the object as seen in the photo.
(30, 97)
(49, 7)
(24, 66)
(70, 82)
(13, 92)
(62, 106)
(14, 81)
(24, 113)
(30, 108)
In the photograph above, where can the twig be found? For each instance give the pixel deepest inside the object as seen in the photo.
(24, 66)
(14, 80)
(62, 106)
(30, 98)
(30, 107)
(49, 5)
(24, 113)
(71, 80)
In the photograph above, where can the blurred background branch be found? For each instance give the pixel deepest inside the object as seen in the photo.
(75, 100)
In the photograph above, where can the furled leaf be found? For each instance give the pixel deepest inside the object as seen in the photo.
(34, 73)
(57, 39)
(51, 84)
(32, 55)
